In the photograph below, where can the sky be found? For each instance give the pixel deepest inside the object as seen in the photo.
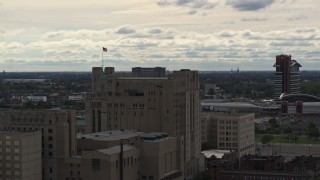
(205, 35)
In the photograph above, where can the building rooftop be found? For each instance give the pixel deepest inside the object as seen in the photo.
(230, 104)
(111, 135)
(14, 132)
(215, 152)
(142, 78)
(116, 149)
(305, 159)
(259, 157)
(263, 173)
(154, 136)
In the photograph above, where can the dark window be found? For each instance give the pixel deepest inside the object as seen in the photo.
(95, 164)
(49, 130)
(50, 138)
(93, 121)
(50, 146)
(99, 120)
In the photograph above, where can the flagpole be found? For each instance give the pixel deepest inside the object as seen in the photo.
(102, 59)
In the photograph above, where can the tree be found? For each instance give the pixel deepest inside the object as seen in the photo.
(205, 175)
(266, 139)
(211, 91)
(273, 125)
(313, 131)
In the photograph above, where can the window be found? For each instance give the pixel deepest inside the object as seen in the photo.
(50, 146)
(16, 158)
(16, 143)
(50, 138)
(49, 130)
(95, 164)
(50, 154)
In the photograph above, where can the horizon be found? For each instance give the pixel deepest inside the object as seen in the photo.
(201, 71)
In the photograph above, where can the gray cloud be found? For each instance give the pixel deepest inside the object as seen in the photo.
(194, 54)
(227, 34)
(291, 43)
(194, 4)
(95, 56)
(249, 5)
(155, 31)
(127, 29)
(305, 30)
(192, 12)
(254, 19)
(297, 17)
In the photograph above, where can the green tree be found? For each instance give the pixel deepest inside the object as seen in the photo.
(204, 175)
(273, 124)
(211, 91)
(313, 131)
(266, 139)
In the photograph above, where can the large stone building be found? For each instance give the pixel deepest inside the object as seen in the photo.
(149, 104)
(58, 134)
(287, 76)
(20, 155)
(230, 131)
(147, 156)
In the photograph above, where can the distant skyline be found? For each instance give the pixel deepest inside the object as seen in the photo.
(206, 35)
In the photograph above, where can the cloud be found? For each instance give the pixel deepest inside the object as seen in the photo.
(150, 46)
(127, 29)
(155, 31)
(249, 5)
(193, 4)
(227, 33)
(191, 12)
(1, 7)
(254, 19)
(297, 17)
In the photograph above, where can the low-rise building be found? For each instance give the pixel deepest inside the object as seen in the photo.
(20, 155)
(142, 156)
(58, 134)
(305, 164)
(230, 131)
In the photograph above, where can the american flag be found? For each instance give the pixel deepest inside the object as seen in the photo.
(104, 49)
